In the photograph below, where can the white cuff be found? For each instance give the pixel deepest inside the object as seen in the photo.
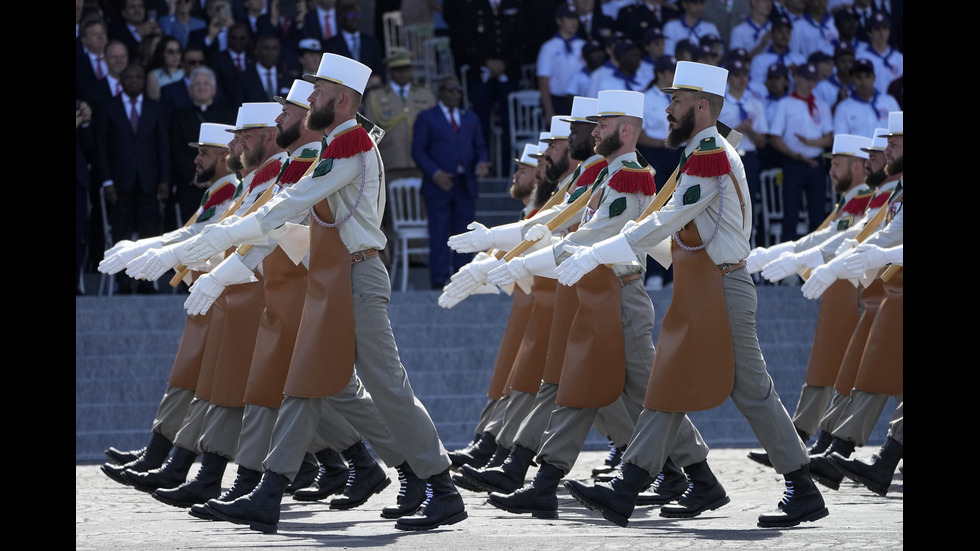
(506, 236)
(810, 258)
(247, 231)
(542, 263)
(232, 271)
(615, 250)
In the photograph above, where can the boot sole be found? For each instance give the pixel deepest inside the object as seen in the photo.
(611, 516)
(461, 480)
(399, 514)
(202, 512)
(254, 525)
(446, 522)
(319, 495)
(817, 515)
(535, 513)
(642, 500)
(487, 487)
(873, 486)
(183, 504)
(351, 504)
(720, 503)
(832, 484)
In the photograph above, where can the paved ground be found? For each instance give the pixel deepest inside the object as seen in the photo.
(111, 516)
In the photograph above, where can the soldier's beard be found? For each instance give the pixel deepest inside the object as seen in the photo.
(320, 118)
(680, 131)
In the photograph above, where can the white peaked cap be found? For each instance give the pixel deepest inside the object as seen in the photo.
(214, 134)
(560, 128)
(851, 145)
(699, 77)
(582, 109)
(342, 70)
(878, 140)
(895, 124)
(527, 157)
(257, 115)
(299, 94)
(619, 103)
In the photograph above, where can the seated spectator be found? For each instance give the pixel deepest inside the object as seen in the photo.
(165, 68)
(752, 34)
(866, 109)
(889, 63)
(778, 52)
(558, 61)
(180, 24)
(839, 85)
(689, 26)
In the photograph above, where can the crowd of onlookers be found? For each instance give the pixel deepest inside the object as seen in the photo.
(800, 72)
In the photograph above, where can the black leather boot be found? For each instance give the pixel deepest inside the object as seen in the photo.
(331, 480)
(153, 456)
(615, 499)
(477, 453)
(801, 502)
(821, 468)
(259, 509)
(705, 494)
(669, 485)
(443, 506)
(763, 457)
(539, 498)
(462, 481)
(121, 457)
(365, 478)
(612, 461)
(173, 473)
(411, 494)
(821, 444)
(205, 485)
(245, 482)
(876, 474)
(308, 471)
(506, 478)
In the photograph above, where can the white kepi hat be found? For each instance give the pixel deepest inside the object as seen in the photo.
(895, 124)
(257, 115)
(619, 103)
(560, 128)
(214, 134)
(543, 140)
(699, 77)
(582, 109)
(878, 141)
(527, 157)
(850, 145)
(342, 70)
(299, 94)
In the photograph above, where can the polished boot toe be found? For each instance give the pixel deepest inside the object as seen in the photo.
(801, 502)
(704, 494)
(443, 507)
(121, 457)
(669, 485)
(540, 498)
(411, 493)
(259, 509)
(824, 472)
(761, 458)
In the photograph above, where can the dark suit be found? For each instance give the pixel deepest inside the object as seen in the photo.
(371, 51)
(136, 163)
(185, 127)
(435, 147)
(253, 85)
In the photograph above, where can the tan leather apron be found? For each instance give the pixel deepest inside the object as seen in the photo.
(871, 299)
(694, 368)
(529, 365)
(209, 360)
(285, 290)
(520, 313)
(323, 359)
(836, 321)
(882, 365)
(187, 364)
(566, 303)
(244, 303)
(594, 371)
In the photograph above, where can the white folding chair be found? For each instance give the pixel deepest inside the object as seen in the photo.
(409, 222)
(524, 108)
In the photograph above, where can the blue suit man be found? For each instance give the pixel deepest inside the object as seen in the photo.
(448, 146)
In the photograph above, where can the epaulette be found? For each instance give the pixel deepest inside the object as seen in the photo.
(296, 168)
(531, 213)
(589, 173)
(265, 173)
(307, 153)
(859, 203)
(879, 200)
(348, 143)
(632, 178)
(209, 203)
(709, 160)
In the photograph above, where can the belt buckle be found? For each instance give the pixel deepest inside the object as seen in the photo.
(359, 256)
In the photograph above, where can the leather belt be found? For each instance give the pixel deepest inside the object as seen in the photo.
(360, 256)
(630, 278)
(729, 268)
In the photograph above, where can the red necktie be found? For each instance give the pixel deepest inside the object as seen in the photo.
(134, 117)
(327, 31)
(98, 68)
(453, 119)
(238, 63)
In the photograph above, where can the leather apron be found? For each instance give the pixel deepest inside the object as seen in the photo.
(529, 365)
(285, 290)
(594, 371)
(694, 368)
(566, 303)
(323, 359)
(187, 364)
(871, 299)
(882, 366)
(520, 312)
(836, 321)
(209, 360)
(244, 304)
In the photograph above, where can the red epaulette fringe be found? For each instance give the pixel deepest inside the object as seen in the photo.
(220, 195)
(294, 171)
(629, 180)
(858, 204)
(348, 143)
(588, 176)
(266, 173)
(708, 164)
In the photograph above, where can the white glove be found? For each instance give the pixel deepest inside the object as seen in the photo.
(760, 256)
(791, 263)
(846, 246)
(537, 233)
(824, 276)
(511, 272)
(219, 237)
(614, 250)
(872, 257)
(470, 277)
(481, 238)
(118, 256)
(154, 263)
(209, 286)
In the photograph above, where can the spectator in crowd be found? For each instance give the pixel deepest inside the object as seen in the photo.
(801, 130)
(448, 146)
(319, 22)
(753, 33)
(181, 23)
(814, 31)
(134, 158)
(839, 85)
(777, 52)
(685, 50)
(214, 38)
(354, 44)
(690, 26)
(177, 94)
(594, 24)
(777, 87)
(866, 109)
(627, 55)
(651, 143)
(264, 78)
(636, 18)
(84, 153)
(259, 19)
(847, 24)
(712, 50)
(595, 57)
(230, 64)
(889, 63)
(165, 68)
(608, 67)
(652, 44)
(559, 60)
(133, 27)
(91, 66)
(308, 54)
